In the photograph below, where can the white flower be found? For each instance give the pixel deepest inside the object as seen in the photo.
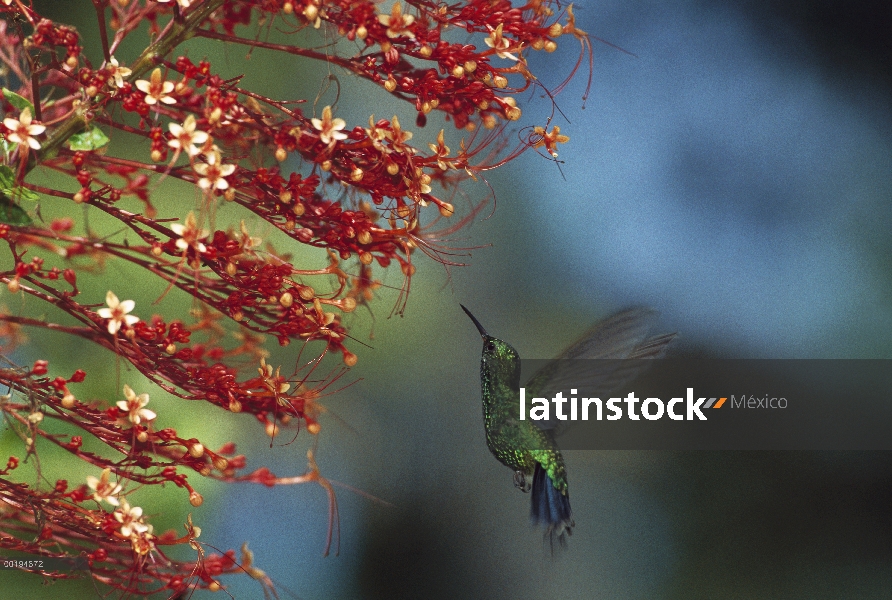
(182, 3)
(134, 404)
(497, 42)
(118, 73)
(105, 491)
(189, 234)
(117, 312)
(22, 130)
(130, 518)
(186, 137)
(143, 542)
(397, 23)
(329, 129)
(155, 89)
(213, 173)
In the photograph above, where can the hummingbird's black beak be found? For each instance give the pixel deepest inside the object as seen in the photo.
(476, 322)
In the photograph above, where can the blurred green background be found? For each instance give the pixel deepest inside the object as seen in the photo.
(734, 176)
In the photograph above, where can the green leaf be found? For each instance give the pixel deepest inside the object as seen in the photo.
(20, 193)
(17, 101)
(11, 213)
(10, 190)
(7, 177)
(89, 140)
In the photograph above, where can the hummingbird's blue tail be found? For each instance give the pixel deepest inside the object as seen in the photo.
(551, 508)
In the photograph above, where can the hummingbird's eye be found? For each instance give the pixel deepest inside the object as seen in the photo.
(490, 347)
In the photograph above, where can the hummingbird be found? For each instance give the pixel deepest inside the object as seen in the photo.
(528, 447)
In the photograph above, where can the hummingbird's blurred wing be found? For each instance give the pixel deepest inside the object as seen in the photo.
(613, 342)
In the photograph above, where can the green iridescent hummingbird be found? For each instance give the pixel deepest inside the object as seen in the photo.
(528, 447)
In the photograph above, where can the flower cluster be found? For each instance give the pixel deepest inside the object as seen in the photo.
(367, 195)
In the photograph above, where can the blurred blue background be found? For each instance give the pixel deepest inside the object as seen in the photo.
(735, 176)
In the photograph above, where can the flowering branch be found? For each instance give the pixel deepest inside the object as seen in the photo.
(367, 195)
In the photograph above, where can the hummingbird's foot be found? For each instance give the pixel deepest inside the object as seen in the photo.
(520, 482)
